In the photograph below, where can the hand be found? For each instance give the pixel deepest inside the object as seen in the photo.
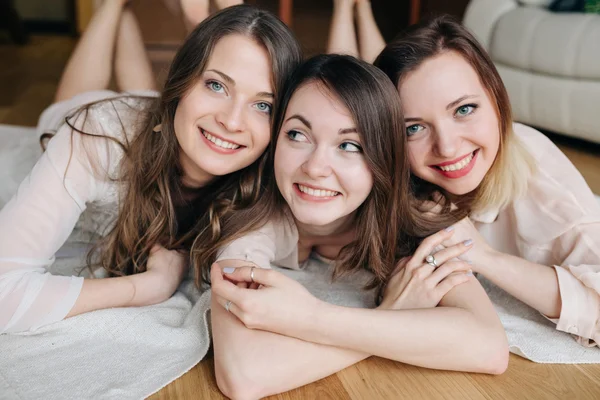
(417, 284)
(164, 272)
(481, 252)
(280, 305)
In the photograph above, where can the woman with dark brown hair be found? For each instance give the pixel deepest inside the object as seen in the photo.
(143, 175)
(339, 191)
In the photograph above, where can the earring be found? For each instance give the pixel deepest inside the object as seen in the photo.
(157, 128)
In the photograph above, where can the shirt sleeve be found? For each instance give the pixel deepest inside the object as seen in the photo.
(37, 221)
(568, 229)
(274, 243)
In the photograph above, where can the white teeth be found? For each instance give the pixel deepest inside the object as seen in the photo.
(459, 165)
(317, 192)
(219, 142)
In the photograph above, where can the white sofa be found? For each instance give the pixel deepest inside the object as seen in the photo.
(550, 62)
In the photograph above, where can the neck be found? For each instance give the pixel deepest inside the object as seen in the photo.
(336, 228)
(193, 176)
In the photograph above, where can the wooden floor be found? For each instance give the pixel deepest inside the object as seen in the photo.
(28, 79)
(377, 378)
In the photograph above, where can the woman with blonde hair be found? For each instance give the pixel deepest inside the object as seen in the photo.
(149, 176)
(534, 221)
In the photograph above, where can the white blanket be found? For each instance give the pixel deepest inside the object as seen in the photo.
(131, 353)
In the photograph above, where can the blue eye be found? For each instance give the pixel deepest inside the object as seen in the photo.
(465, 110)
(215, 86)
(296, 136)
(414, 129)
(351, 147)
(264, 107)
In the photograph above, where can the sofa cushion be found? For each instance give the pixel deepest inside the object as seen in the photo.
(537, 40)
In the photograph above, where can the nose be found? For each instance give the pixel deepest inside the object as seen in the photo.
(447, 141)
(232, 117)
(317, 165)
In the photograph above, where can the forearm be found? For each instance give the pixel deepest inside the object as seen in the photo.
(253, 363)
(449, 338)
(98, 294)
(534, 284)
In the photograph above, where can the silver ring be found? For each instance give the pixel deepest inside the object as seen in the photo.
(252, 274)
(227, 305)
(430, 259)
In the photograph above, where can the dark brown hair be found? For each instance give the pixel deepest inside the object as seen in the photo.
(150, 169)
(511, 169)
(385, 221)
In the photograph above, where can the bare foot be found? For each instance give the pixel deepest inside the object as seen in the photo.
(221, 4)
(194, 11)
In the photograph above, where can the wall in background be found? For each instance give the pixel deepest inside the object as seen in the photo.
(43, 10)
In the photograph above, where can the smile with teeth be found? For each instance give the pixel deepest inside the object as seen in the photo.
(219, 142)
(317, 192)
(457, 166)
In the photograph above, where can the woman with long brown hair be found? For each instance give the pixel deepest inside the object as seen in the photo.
(338, 190)
(144, 175)
(534, 221)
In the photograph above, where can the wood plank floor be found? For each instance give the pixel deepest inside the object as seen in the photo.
(377, 378)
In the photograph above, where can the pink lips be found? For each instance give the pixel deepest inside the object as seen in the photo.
(460, 173)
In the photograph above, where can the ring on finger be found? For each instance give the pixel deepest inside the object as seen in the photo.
(252, 274)
(227, 305)
(430, 259)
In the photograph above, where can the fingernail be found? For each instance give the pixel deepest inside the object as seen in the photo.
(470, 273)
(449, 229)
(228, 270)
(468, 242)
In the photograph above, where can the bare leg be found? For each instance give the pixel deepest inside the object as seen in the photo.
(221, 4)
(194, 12)
(342, 36)
(133, 70)
(90, 65)
(369, 37)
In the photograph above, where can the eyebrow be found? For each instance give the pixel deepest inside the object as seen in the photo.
(230, 81)
(459, 100)
(309, 126)
(448, 107)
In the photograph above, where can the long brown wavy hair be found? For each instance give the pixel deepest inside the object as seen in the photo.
(150, 170)
(513, 165)
(387, 224)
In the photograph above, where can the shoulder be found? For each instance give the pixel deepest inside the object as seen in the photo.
(558, 197)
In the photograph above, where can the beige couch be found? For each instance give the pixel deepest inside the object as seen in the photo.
(550, 62)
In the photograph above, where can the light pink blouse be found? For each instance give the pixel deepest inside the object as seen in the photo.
(557, 224)
(70, 177)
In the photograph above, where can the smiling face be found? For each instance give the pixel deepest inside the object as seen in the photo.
(222, 123)
(320, 168)
(451, 123)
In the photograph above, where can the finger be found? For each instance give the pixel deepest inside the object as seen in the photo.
(261, 276)
(447, 269)
(451, 252)
(224, 288)
(427, 246)
(451, 282)
(233, 308)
